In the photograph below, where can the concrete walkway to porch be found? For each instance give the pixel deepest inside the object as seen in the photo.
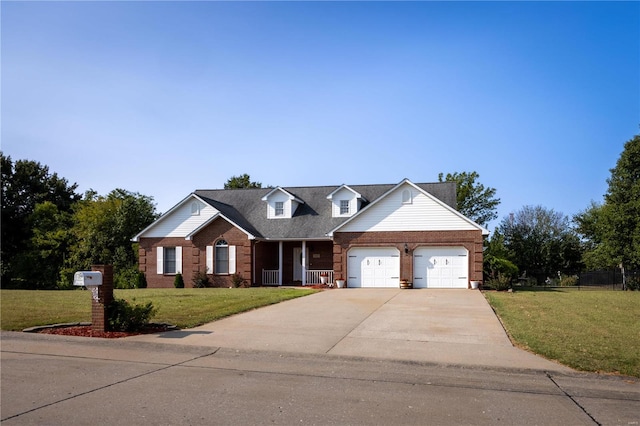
(452, 327)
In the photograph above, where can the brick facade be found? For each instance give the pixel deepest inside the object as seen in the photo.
(194, 255)
(322, 254)
(471, 240)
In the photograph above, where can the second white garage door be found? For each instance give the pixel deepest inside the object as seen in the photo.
(373, 267)
(440, 267)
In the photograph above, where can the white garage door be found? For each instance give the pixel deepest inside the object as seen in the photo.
(373, 267)
(440, 267)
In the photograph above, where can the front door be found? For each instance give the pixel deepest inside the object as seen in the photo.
(297, 263)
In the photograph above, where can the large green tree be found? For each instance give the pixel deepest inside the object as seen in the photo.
(541, 242)
(34, 201)
(241, 182)
(475, 201)
(103, 227)
(611, 230)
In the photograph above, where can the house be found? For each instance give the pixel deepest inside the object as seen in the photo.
(368, 235)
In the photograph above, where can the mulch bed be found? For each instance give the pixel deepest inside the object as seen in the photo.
(86, 331)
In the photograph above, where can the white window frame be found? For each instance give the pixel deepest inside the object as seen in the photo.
(195, 208)
(278, 208)
(407, 197)
(215, 264)
(344, 207)
(161, 259)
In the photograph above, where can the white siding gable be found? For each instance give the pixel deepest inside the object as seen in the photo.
(422, 213)
(182, 220)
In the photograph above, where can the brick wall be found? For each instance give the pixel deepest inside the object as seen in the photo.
(194, 255)
(220, 229)
(471, 240)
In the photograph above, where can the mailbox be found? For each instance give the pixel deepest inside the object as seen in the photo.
(87, 278)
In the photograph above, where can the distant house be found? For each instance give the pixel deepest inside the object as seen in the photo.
(368, 235)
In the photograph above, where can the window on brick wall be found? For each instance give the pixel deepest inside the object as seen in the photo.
(169, 260)
(222, 257)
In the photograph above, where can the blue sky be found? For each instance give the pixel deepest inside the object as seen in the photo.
(163, 98)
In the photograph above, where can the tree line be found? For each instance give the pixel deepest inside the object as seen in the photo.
(542, 245)
(49, 231)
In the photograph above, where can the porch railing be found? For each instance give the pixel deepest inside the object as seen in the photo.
(313, 276)
(270, 277)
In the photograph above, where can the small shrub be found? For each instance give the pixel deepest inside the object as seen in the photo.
(200, 280)
(141, 280)
(238, 281)
(123, 316)
(500, 283)
(568, 281)
(125, 278)
(633, 282)
(178, 281)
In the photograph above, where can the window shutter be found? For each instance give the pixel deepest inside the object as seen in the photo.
(209, 259)
(232, 259)
(178, 260)
(159, 260)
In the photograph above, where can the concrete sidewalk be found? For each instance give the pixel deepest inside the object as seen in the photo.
(448, 327)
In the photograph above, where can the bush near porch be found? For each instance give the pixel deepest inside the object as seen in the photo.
(185, 308)
(591, 330)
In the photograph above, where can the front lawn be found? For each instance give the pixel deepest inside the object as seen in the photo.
(586, 330)
(184, 308)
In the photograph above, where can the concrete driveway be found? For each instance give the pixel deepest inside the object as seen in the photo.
(453, 327)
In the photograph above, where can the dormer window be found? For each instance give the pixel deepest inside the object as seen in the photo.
(344, 207)
(345, 201)
(281, 204)
(279, 208)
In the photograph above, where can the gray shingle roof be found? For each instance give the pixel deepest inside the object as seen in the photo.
(312, 220)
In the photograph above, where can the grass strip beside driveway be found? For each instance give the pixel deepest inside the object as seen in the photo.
(184, 308)
(595, 331)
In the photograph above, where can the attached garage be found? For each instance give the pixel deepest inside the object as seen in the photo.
(373, 267)
(440, 267)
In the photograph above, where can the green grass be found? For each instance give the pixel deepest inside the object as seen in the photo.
(587, 330)
(184, 308)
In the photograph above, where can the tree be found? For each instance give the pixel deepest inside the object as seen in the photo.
(611, 231)
(103, 228)
(25, 185)
(241, 182)
(474, 200)
(496, 263)
(541, 242)
(622, 213)
(592, 224)
(44, 254)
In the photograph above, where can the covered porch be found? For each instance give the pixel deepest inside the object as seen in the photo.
(294, 262)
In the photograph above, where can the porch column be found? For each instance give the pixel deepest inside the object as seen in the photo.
(304, 262)
(280, 244)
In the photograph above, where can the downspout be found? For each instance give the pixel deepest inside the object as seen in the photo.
(253, 260)
(304, 263)
(280, 263)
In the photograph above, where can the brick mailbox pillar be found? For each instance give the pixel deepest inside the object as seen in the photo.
(105, 297)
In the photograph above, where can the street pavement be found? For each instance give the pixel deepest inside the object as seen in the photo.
(368, 369)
